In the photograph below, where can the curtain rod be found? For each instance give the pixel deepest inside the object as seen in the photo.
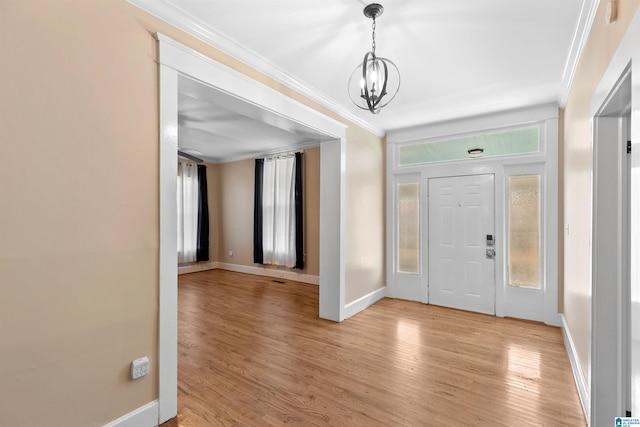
(281, 154)
(190, 157)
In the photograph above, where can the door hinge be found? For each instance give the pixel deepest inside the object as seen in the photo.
(628, 147)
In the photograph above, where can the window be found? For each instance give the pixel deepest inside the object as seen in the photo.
(187, 211)
(193, 213)
(524, 231)
(408, 228)
(278, 211)
(500, 143)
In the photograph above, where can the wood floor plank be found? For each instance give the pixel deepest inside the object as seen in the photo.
(253, 352)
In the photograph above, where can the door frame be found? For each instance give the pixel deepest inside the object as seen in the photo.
(628, 52)
(544, 116)
(177, 59)
(609, 251)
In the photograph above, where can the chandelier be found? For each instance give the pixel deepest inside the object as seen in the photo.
(375, 82)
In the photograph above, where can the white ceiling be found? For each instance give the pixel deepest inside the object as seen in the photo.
(218, 128)
(456, 58)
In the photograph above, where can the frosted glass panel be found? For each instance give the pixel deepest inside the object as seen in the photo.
(524, 231)
(501, 143)
(408, 228)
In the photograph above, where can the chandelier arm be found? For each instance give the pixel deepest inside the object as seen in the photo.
(383, 91)
(387, 99)
(367, 97)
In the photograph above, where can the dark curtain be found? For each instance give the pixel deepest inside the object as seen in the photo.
(298, 210)
(202, 249)
(258, 256)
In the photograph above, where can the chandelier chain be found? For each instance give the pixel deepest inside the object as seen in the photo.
(373, 36)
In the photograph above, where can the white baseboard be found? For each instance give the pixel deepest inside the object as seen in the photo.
(195, 268)
(553, 320)
(269, 272)
(581, 382)
(144, 416)
(361, 303)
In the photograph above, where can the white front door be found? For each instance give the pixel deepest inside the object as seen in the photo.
(461, 217)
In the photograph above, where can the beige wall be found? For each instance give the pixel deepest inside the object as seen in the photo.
(365, 259)
(79, 228)
(231, 190)
(79, 218)
(600, 48)
(236, 181)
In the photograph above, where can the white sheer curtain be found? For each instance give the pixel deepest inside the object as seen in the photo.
(278, 211)
(187, 211)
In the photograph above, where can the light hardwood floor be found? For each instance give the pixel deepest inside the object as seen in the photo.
(253, 352)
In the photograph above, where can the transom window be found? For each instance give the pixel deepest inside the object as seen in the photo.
(494, 144)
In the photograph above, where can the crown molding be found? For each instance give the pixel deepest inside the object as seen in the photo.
(178, 18)
(473, 124)
(585, 21)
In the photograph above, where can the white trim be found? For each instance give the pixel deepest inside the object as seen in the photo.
(269, 272)
(239, 88)
(168, 285)
(363, 302)
(196, 268)
(512, 118)
(332, 230)
(144, 416)
(390, 209)
(250, 269)
(578, 376)
(550, 218)
(191, 25)
(178, 60)
(583, 28)
(608, 293)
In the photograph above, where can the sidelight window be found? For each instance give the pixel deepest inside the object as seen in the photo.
(408, 249)
(524, 231)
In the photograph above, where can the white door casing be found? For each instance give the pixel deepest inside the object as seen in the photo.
(543, 162)
(610, 281)
(461, 215)
(627, 56)
(176, 59)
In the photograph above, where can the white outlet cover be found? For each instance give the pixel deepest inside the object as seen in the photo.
(139, 367)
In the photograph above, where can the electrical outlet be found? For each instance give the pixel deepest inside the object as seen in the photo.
(230, 253)
(139, 367)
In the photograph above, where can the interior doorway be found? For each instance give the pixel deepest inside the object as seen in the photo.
(274, 108)
(610, 314)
